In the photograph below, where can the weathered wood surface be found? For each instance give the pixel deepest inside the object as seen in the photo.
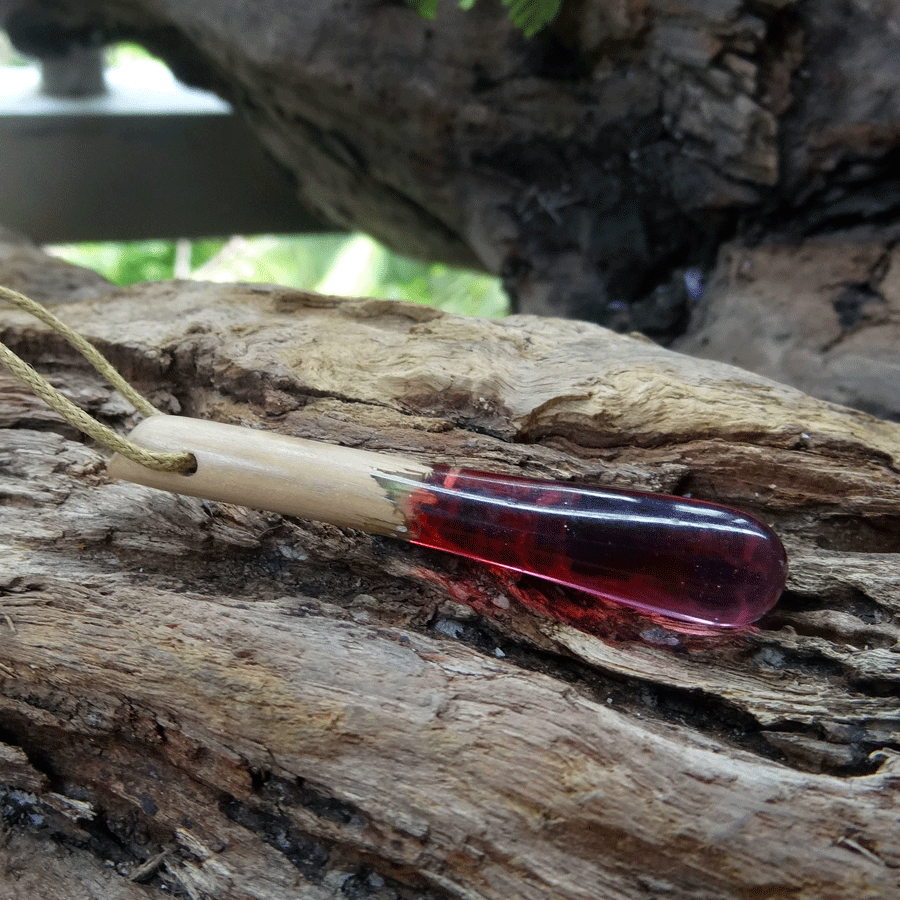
(822, 315)
(238, 705)
(589, 166)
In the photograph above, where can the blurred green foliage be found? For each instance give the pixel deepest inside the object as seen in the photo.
(133, 261)
(124, 52)
(8, 54)
(348, 265)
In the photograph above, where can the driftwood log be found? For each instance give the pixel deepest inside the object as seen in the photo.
(231, 704)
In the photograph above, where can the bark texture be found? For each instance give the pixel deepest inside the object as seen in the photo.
(822, 315)
(233, 704)
(590, 166)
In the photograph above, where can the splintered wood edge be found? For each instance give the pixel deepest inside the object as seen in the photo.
(276, 701)
(270, 691)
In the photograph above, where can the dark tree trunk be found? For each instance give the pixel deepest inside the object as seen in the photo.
(233, 704)
(590, 165)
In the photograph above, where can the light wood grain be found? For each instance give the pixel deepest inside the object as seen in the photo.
(269, 471)
(291, 709)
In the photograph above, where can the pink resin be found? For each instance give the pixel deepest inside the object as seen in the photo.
(684, 559)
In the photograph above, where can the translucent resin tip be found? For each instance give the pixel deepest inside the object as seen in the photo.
(683, 559)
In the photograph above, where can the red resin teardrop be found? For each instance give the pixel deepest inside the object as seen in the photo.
(684, 559)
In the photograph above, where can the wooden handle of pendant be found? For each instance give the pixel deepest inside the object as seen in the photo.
(264, 470)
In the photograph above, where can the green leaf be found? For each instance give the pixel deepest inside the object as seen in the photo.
(529, 15)
(427, 9)
(532, 15)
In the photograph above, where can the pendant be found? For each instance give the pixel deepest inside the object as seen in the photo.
(687, 560)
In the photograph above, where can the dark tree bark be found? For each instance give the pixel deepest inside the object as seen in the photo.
(822, 315)
(590, 165)
(233, 704)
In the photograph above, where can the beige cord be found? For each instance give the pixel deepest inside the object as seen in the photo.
(161, 462)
